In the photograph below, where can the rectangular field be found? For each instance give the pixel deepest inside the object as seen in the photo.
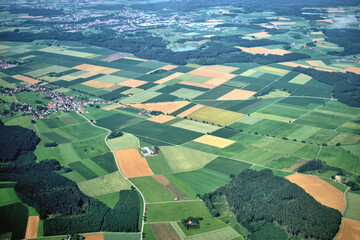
(32, 227)
(214, 141)
(132, 164)
(352, 206)
(349, 229)
(152, 190)
(195, 126)
(164, 231)
(172, 188)
(215, 116)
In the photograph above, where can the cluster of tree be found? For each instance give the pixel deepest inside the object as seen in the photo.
(58, 200)
(346, 86)
(257, 197)
(347, 38)
(25, 139)
(52, 144)
(115, 134)
(191, 222)
(158, 72)
(319, 166)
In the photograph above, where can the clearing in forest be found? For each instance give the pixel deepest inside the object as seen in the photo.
(265, 51)
(214, 141)
(322, 191)
(237, 94)
(32, 227)
(132, 164)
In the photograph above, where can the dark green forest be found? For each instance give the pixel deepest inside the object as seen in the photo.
(57, 199)
(270, 206)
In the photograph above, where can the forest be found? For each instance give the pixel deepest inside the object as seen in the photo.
(58, 200)
(265, 204)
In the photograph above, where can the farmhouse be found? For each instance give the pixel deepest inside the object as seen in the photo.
(149, 152)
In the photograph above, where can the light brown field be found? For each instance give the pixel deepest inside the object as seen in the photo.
(318, 39)
(26, 79)
(32, 227)
(190, 110)
(28, 17)
(97, 69)
(335, 10)
(349, 229)
(265, 51)
(213, 74)
(282, 23)
(214, 141)
(137, 59)
(292, 64)
(258, 34)
(168, 78)
(269, 26)
(196, 84)
(172, 188)
(97, 84)
(132, 83)
(165, 107)
(322, 46)
(132, 164)
(326, 20)
(284, 19)
(312, 63)
(161, 118)
(115, 56)
(237, 94)
(86, 75)
(209, 36)
(114, 107)
(94, 236)
(322, 191)
(112, 88)
(164, 231)
(325, 69)
(352, 69)
(219, 68)
(215, 81)
(296, 165)
(168, 67)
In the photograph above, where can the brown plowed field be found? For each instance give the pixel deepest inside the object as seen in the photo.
(216, 81)
(164, 231)
(352, 69)
(115, 56)
(113, 107)
(312, 63)
(219, 68)
(172, 188)
(132, 164)
(190, 110)
(26, 79)
(165, 107)
(32, 227)
(322, 191)
(296, 165)
(325, 70)
(86, 75)
(265, 51)
(349, 229)
(94, 236)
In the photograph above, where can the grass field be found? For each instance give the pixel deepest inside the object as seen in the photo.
(106, 184)
(83, 170)
(8, 196)
(227, 166)
(318, 119)
(109, 199)
(352, 206)
(152, 190)
(200, 147)
(339, 157)
(125, 141)
(221, 234)
(215, 116)
(195, 126)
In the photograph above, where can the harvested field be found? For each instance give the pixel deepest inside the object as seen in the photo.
(94, 236)
(136, 59)
(349, 229)
(190, 110)
(115, 56)
(86, 75)
(168, 67)
(114, 107)
(352, 69)
(325, 69)
(97, 69)
(237, 94)
(292, 64)
(26, 79)
(172, 188)
(29, 17)
(214, 141)
(219, 68)
(32, 227)
(259, 34)
(196, 84)
(132, 83)
(97, 84)
(318, 39)
(296, 165)
(168, 78)
(322, 46)
(132, 164)
(212, 74)
(162, 118)
(215, 81)
(322, 191)
(164, 231)
(277, 71)
(326, 20)
(165, 107)
(313, 63)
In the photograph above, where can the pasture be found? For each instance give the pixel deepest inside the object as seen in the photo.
(352, 206)
(170, 187)
(195, 126)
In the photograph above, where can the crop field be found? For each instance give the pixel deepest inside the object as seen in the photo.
(352, 206)
(32, 227)
(295, 165)
(215, 116)
(175, 191)
(195, 126)
(94, 236)
(336, 156)
(152, 190)
(164, 231)
(214, 141)
(349, 229)
(83, 170)
(190, 110)
(127, 140)
(237, 94)
(99, 171)
(165, 107)
(322, 191)
(16, 216)
(200, 147)
(106, 184)
(132, 164)
(221, 234)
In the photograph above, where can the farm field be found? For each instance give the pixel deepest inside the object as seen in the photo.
(349, 229)
(132, 164)
(353, 203)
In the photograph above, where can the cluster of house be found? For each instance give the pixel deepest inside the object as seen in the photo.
(345, 60)
(340, 179)
(149, 151)
(7, 63)
(58, 102)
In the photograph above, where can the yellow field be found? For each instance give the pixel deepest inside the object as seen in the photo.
(292, 64)
(214, 141)
(323, 192)
(86, 75)
(219, 68)
(265, 51)
(274, 70)
(132, 164)
(168, 78)
(326, 20)
(349, 229)
(352, 69)
(26, 79)
(97, 69)
(132, 83)
(313, 63)
(94, 236)
(237, 94)
(165, 107)
(213, 74)
(273, 117)
(248, 73)
(215, 81)
(215, 116)
(162, 118)
(259, 34)
(113, 107)
(168, 67)
(190, 110)
(325, 69)
(137, 59)
(196, 84)
(32, 227)
(97, 84)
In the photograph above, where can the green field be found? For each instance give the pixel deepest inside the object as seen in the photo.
(110, 199)
(94, 167)
(215, 116)
(106, 184)
(152, 190)
(125, 141)
(16, 216)
(195, 126)
(338, 157)
(353, 206)
(318, 119)
(8, 196)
